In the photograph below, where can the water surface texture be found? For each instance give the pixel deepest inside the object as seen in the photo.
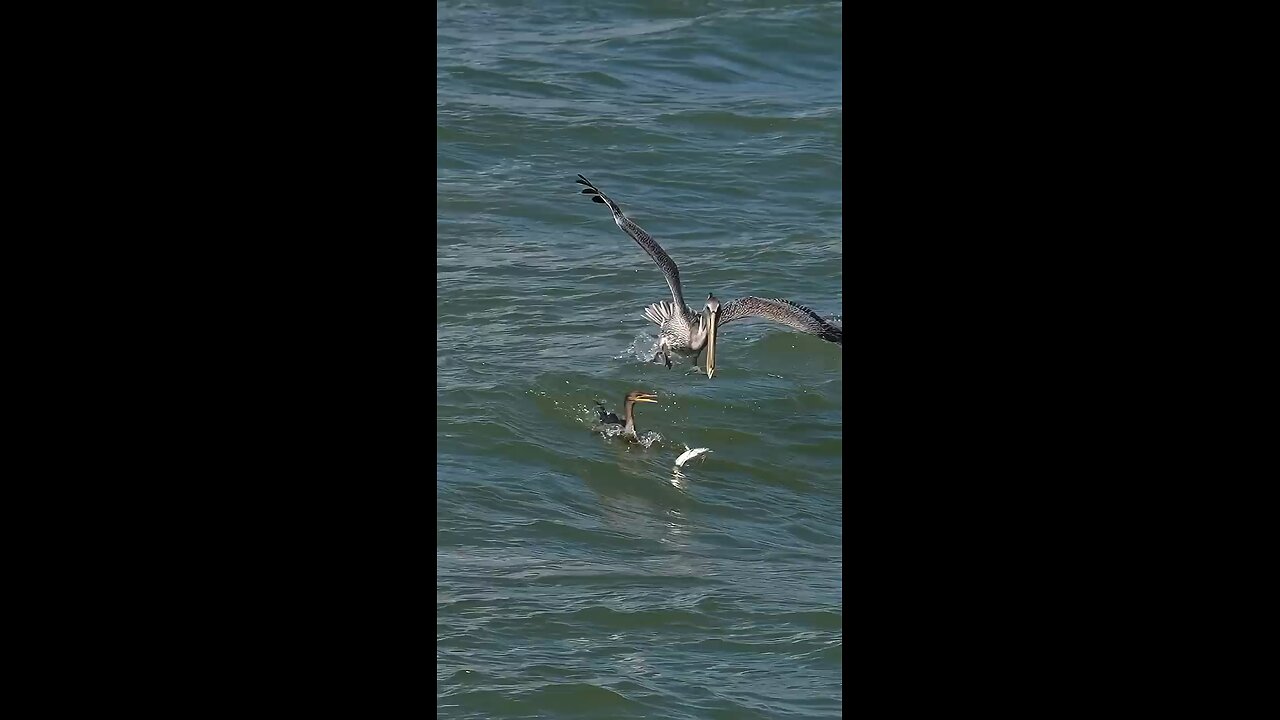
(577, 574)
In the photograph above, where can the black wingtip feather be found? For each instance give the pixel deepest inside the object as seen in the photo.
(583, 180)
(598, 199)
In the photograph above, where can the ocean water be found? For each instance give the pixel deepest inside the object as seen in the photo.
(579, 575)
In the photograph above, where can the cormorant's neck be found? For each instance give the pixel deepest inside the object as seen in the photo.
(630, 419)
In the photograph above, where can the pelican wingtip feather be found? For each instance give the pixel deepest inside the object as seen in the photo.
(592, 190)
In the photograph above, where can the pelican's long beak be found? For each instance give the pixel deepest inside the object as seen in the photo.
(647, 397)
(711, 343)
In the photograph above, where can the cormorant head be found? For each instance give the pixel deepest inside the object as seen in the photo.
(641, 396)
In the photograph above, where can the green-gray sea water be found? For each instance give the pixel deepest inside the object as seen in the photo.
(577, 575)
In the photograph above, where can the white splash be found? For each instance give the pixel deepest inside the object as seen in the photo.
(611, 430)
(635, 351)
(648, 438)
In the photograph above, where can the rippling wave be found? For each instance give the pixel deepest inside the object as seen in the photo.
(580, 575)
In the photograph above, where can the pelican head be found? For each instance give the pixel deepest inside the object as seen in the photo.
(712, 314)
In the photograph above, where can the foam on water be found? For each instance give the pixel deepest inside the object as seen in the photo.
(611, 430)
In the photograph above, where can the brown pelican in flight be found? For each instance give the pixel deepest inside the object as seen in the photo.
(684, 331)
(629, 424)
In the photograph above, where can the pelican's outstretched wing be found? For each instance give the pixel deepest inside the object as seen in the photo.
(642, 238)
(784, 311)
